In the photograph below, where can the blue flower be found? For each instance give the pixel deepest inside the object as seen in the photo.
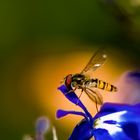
(112, 122)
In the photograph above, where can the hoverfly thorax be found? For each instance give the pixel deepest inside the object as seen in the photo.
(78, 79)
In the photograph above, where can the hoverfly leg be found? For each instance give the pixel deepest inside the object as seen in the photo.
(71, 90)
(80, 93)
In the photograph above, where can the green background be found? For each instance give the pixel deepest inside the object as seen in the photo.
(31, 30)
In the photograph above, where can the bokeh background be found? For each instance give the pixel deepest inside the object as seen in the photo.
(43, 41)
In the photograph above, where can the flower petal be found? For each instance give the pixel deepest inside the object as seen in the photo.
(82, 131)
(122, 121)
(108, 108)
(61, 113)
(71, 96)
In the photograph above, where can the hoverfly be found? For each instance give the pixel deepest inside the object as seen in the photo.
(85, 83)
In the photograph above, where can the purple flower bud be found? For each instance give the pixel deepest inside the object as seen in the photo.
(42, 125)
(129, 88)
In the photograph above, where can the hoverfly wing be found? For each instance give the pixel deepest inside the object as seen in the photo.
(96, 60)
(94, 96)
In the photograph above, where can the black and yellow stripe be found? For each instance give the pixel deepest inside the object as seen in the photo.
(103, 85)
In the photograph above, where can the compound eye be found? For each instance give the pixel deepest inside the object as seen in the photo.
(68, 79)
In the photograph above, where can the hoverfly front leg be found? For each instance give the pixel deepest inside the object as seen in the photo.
(81, 93)
(76, 86)
(71, 90)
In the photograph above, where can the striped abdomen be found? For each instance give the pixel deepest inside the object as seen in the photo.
(101, 85)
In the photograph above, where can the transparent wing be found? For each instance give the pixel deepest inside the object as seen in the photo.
(96, 60)
(95, 96)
